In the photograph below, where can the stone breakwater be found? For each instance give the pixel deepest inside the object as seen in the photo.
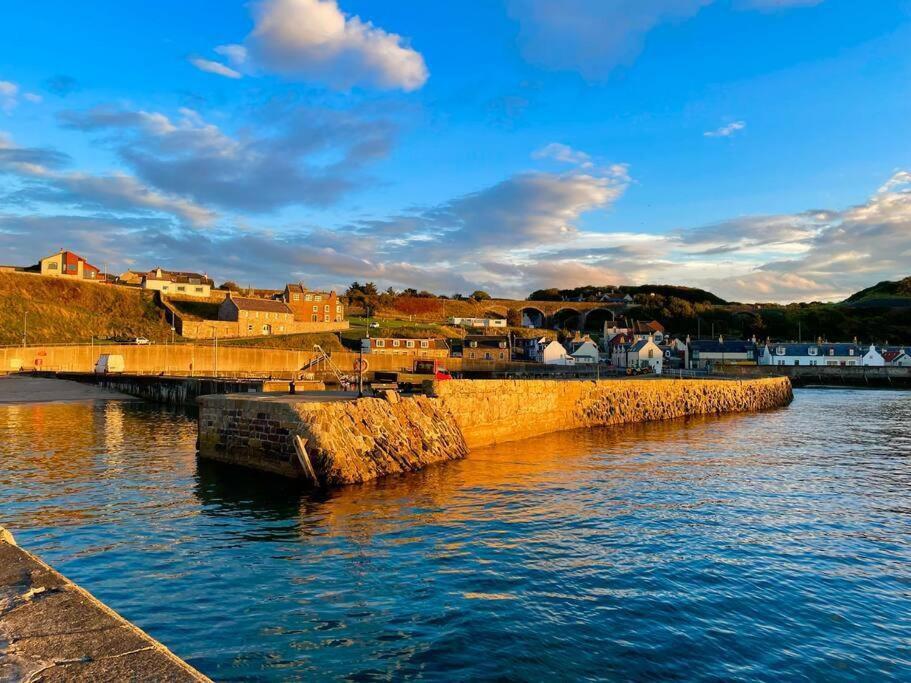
(490, 412)
(355, 440)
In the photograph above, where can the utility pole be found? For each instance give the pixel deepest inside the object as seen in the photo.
(799, 333)
(215, 334)
(25, 330)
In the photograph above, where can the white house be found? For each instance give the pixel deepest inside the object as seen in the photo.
(555, 354)
(873, 358)
(178, 283)
(586, 352)
(478, 322)
(641, 354)
(896, 357)
(811, 354)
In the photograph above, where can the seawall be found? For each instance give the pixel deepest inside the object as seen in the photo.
(53, 630)
(351, 440)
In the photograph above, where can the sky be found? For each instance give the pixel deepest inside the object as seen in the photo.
(757, 148)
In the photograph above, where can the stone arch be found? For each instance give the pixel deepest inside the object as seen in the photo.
(532, 316)
(594, 319)
(570, 318)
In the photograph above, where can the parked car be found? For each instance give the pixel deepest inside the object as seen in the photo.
(374, 326)
(141, 340)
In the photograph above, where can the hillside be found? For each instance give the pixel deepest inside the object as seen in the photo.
(883, 294)
(691, 295)
(66, 311)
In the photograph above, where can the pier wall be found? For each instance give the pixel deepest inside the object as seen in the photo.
(350, 441)
(489, 412)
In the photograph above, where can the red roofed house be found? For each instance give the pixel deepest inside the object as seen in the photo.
(67, 264)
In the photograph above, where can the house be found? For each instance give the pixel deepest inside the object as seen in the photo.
(896, 357)
(611, 330)
(478, 322)
(644, 330)
(529, 349)
(819, 353)
(642, 354)
(555, 354)
(178, 283)
(708, 353)
(420, 348)
(486, 347)
(131, 277)
(67, 264)
(617, 345)
(586, 353)
(257, 316)
(617, 298)
(676, 353)
(873, 358)
(312, 306)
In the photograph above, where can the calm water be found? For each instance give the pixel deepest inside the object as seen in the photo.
(766, 546)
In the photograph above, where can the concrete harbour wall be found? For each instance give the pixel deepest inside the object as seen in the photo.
(356, 440)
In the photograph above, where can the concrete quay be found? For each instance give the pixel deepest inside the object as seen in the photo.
(53, 630)
(347, 440)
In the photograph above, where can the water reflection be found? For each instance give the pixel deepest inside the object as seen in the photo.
(746, 546)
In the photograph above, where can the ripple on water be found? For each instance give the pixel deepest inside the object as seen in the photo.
(766, 546)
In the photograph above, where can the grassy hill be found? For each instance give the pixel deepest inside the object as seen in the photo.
(65, 311)
(883, 294)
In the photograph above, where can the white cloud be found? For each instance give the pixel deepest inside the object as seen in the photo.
(9, 95)
(564, 153)
(314, 40)
(726, 131)
(214, 67)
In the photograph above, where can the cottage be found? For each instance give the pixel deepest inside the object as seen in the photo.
(486, 347)
(478, 322)
(67, 264)
(873, 358)
(586, 353)
(642, 354)
(178, 283)
(648, 330)
(555, 354)
(822, 354)
(312, 306)
(896, 357)
(529, 349)
(257, 316)
(421, 348)
(708, 353)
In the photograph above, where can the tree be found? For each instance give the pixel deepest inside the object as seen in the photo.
(546, 295)
(229, 286)
(514, 317)
(480, 295)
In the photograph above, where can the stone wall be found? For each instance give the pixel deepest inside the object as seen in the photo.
(357, 440)
(347, 441)
(492, 411)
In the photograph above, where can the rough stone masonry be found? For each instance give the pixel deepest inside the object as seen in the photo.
(356, 440)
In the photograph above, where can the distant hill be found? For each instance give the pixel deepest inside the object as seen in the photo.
(885, 294)
(692, 295)
(63, 310)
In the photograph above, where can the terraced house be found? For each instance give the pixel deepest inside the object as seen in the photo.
(257, 317)
(421, 348)
(312, 306)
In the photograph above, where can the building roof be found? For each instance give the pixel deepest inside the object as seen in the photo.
(244, 303)
(891, 354)
(640, 344)
(726, 346)
(825, 349)
(179, 277)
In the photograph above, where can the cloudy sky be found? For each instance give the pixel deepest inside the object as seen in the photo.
(758, 148)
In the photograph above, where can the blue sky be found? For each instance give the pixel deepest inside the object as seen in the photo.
(759, 148)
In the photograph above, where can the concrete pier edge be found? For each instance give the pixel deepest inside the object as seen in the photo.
(53, 630)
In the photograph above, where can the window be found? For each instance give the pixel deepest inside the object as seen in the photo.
(487, 356)
(309, 297)
(52, 266)
(850, 352)
(396, 343)
(315, 309)
(199, 289)
(326, 308)
(813, 351)
(296, 297)
(180, 288)
(249, 328)
(780, 350)
(502, 355)
(410, 343)
(425, 344)
(326, 318)
(471, 354)
(317, 297)
(651, 353)
(831, 352)
(380, 343)
(314, 318)
(338, 308)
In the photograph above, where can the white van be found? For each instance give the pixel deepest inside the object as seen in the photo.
(109, 363)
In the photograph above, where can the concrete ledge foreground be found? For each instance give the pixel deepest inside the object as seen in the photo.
(53, 630)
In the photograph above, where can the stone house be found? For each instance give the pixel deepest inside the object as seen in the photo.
(312, 306)
(257, 317)
(67, 264)
(420, 348)
(486, 347)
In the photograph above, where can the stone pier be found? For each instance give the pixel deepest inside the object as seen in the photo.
(52, 630)
(347, 440)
